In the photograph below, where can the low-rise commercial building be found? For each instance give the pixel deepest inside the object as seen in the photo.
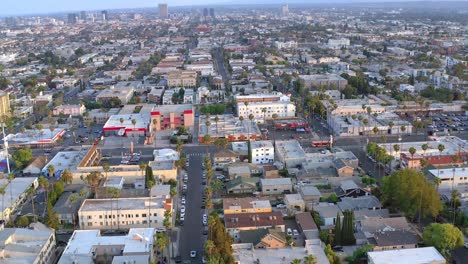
(89, 246)
(228, 127)
(73, 110)
(122, 90)
(290, 153)
(127, 125)
(172, 117)
(182, 78)
(324, 80)
(276, 186)
(123, 212)
(99, 116)
(422, 255)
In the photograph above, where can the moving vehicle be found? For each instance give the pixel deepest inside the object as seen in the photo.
(193, 254)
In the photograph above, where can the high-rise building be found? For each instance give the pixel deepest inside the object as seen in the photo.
(72, 18)
(285, 10)
(105, 15)
(212, 12)
(205, 12)
(83, 15)
(163, 11)
(4, 104)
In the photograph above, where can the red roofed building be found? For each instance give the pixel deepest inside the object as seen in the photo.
(250, 221)
(434, 160)
(171, 117)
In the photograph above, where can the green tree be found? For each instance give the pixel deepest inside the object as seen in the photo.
(162, 241)
(51, 171)
(444, 237)
(149, 176)
(296, 261)
(93, 179)
(52, 219)
(22, 157)
(3, 192)
(67, 176)
(310, 259)
(337, 231)
(23, 221)
(347, 231)
(410, 192)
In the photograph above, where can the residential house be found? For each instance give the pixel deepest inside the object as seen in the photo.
(224, 158)
(246, 205)
(328, 214)
(243, 185)
(263, 238)
(294, 203)
(342, 168)
(306, 225)
(276, 186)
(252, 221)
(364, 202)
(349, 188)
(399, 239)
(36, 166)
(242, 169)
(310, 193)
(370, 226)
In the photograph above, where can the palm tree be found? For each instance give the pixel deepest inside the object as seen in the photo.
(112, 192)
(208, 124)
(403, 129)
(412, 151)
(162, 241)
(31, 193)
(390, 125)
(44, 183)
(93, 179)
(73, 199)
(142, 167)
(10, 178)
(39, 128)
(67, 177)
(121, 120)
(264, 110)
(216, 119)
(396, 148)
(424, 147)
(251, 118)
(51, 171)
(310, 259)
(375, 130)
(274, 116)
(106, 168)
(296, 261)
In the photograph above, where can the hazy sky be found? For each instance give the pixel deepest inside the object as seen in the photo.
(15, 7)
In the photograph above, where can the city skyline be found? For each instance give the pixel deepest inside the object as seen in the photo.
(30, 7)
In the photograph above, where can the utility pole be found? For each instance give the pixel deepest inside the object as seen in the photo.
(5, 146)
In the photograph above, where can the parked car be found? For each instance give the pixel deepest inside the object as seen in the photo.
(280, 206)
(193, 254)
(295, 233)
(289, 232)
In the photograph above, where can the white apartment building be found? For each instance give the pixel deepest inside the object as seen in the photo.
(452, 177)
(35, 244)
(286, 45)
(282, 109)
(89, 247)
(16, 192)
(168, 94)
(338, 43)
(263, 152)
(123, 212)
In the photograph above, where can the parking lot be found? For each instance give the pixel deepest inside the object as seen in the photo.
(449, 122)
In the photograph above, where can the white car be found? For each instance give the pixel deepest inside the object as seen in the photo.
(295, 233)
(193, 254)
(183, 201)
(182, 209)
(289, 232)
(182, 217)
(280, 206)
(184, 187)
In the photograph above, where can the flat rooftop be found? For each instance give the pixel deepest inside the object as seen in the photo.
(290, 149)
(227, 125)
(449, 173)
(422, 255)
(245, 203)
(139, 203)
(30, 136)
(66, 160)
(453, 145)
(165, 155)
(261, 144)
(142, 121)
(179, 108)
(17, 186)
(81, 244)
(23, 245)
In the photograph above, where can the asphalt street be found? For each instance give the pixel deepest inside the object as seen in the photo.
(191, 233)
